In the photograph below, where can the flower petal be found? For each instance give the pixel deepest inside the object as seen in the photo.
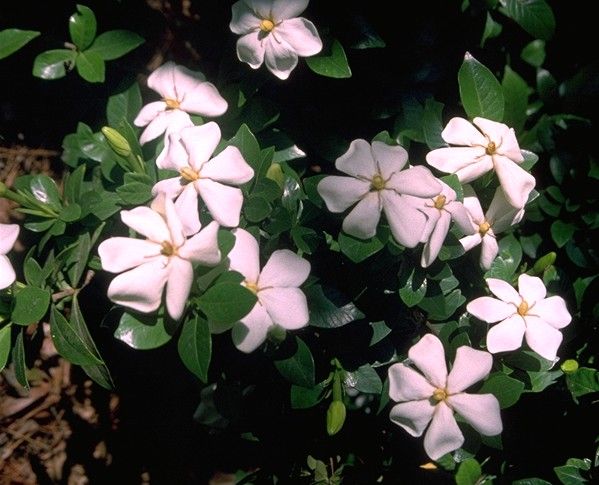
(489, 309)
(287, 307)
(553, 311)
(405, 384)
(339, 192)
(200, 142)
(443, 435)
(162, 80)
(288, 9)
(531, 288)
(174, 156)
(417, 181)
(251, 49)
(406, 222)
(516, 182)
(243, 18)
(175, 226)
(475, 170)
(472, 205)
(506, 335)
(542, 337)
(284, 268)
(301, 35)
(159, 125)
(429, 356)
(363, 219)
(357, 161)
(452, 159)
(171, 188)
(435, 243)
(203, 247)
(147, 222)
(7, 273)
(501, 215)
(461, 132)
(223, 202)
(388, 158)
(205, 100)
(279, 57)
(413, 416)
(503, 136)
(481, 411)
(177, 286)
(489, 251)
(186, 206)
(249, 333)
(122, 253)
(228, 167)
(245, 255)
(469, 242)
(149, 112)
(504, 291)
(8, 236)
(469, 366)
(460, 216)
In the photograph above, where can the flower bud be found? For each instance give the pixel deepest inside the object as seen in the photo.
(275, 174)
(117, 142)
(3, 189)
(569, 366)
(335, 417)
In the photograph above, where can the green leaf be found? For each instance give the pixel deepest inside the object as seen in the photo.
(114, 44)
(299, 368)
(79, 259)
(480, 91)
(492, 29)
(539, 381)
(534, 16)
(531, 481)
(44, 189)
(11, 40)
(364, 379)
(570, 474)
(100, 204)
(90, 67)
(357, 249)
(534, 53)
(304, 398)
(69, 341)
(245, 140)
(82, 27)
(70, 213)
(73, 183)
(506, 263)
(469, 472)
(562, 232)
(135, 193)
(325, 314)
(515, 92)
(379, 331)
(32, 271)
(256, 208)
(226, 303)
(413, 284)
(18, 360)
(506, 389)
(331, 62)
(144, 332)
(195, 347)
(584, 381)
(124, 105)
(30, 305)
(440, 306)
(432, 124)
(368, 38)
(5, 333)
(305, 238)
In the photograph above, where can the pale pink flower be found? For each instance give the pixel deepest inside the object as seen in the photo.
(8, 237)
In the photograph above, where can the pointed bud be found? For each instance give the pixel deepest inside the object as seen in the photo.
(569, 366)
(275, 174)
(117, 142)
(335, 417)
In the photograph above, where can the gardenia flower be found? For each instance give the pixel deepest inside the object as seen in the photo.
(494, 147)
(525, 312)
(280, 301)
(378, 183)
(199, 175)
(499, 217)
(183, 92)
(271, 32)
(440, 210)
(435, 396)
(164, 258)
(8, 237)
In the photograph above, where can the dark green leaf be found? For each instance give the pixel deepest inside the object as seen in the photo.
(256, 208)
(79, 259)
(506, 263)
(70, 342)
(114, 44)
(44, 189)
(368, 38)
(53, 64)
(469, 472)
(331, 62)
(569, 475)
(18, 359)
(534, 16)
(379, 331)
(32, 271)
(5, 333)
(515, 92)
(539, 381)
(245, 140)
(30, 305)
(303, 398)
(480, 91)
(305, 238)
(357, 249)
(506, 389)
(584, 381)
(492, 29)
(413, 284)
(73, 184)
(364, 379)
(534, 53)
(124, 105)
(195, 347)
(101, 205)
(299, 368)
(134, 193)
(531, 481)
(143, 332)
(82, 27)
(70, 213)
(562, 232)
(439, 306)
(325, 314)
(11, 40)
(226, 303)
(432, 124)
(90, 67)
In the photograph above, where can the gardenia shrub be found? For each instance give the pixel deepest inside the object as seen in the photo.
(416, 277)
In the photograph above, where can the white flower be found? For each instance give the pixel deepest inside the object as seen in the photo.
(164, 258)
(440, 210)
(199, 175)
(183, 91)
(494, 147)
(8, 237)
(523, 313)
(499, 217)
(271, 32)
(377, 183)
(280, 301)
(435, 396)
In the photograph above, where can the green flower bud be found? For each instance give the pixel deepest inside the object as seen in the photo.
(275, 173)
(569, 366)
(335, 417)
(544, 262)
(117, 142)
(3, 189)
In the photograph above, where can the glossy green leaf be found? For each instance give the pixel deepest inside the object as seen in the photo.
(534, 16)
(90, 67)
(562, 232)
(531, 481)
(5, 334)
(305, 238)
(413, 284)
(299, 368)
(30, 305)
(18, 359)
(539, 381)
(114, 44)
(441, 307)
(506, 263)
(44, 189)
(569, 474)
(357, 250)
(480, 91)
(469, 472)
(492, 29)
(226, 303)
(78, 260)
(584, 381)
(379, 331)
(506, 389)
(304, 398)
(245, 140)
(195, 347)
(69, 341)
(325, 314)
(53, 64)
(124, 105)
(73, 183)
(82, 27)
(534, 53)
(143, 332)
(432, 124)
(364, 379)
(11, 40)
(515, 92)
(331, 62)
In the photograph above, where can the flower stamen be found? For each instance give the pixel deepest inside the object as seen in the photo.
(439, 394)
(484, 228)
(253, 287)
(168, 249)
(172, 103)
(523, 308)
(491, 148)
(377, 183)
(189, 174)
(266, 25)
(440, 202)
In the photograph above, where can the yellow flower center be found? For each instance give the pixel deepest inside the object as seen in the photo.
(189, 174)
(168, 249)
(491, 148)
(253, 287)
(484, 228)
(172, 103)
(523, 308)
(439, 395)
(377, 183)
(267, 25)
(440, 202)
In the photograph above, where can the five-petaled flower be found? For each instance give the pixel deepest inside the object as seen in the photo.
(435, 396)
(8, 237)
(199, 175)
(272, 33)
(183, 92)
(494, 147)
(499, 217)
(164, 258)
(280, 301)
(378, 183)
(523, 313)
